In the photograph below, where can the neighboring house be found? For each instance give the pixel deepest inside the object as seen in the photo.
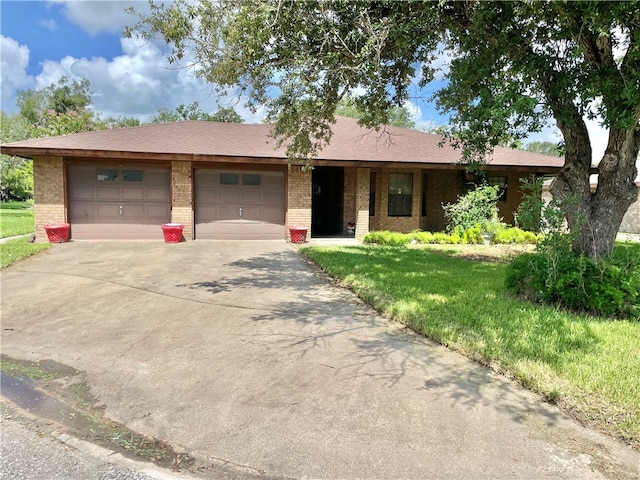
(630, 221)
(228, 181)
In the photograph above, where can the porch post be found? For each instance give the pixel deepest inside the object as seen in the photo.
(362, 202)
(182, 197)
(48, 194)
(299, 198)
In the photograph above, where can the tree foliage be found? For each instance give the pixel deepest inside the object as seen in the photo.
(193, 112)
(398, 117)
(546, 148)
(514, 66)
(37, 106)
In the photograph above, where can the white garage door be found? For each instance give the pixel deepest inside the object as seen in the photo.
(113, 202)
(239, 204)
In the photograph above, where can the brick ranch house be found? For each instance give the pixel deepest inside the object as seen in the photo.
(228, 181)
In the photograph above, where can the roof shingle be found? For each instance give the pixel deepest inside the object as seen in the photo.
(207, 140)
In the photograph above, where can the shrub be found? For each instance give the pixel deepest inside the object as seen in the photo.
(608, 287)
(476, 207)
(386, 237)
(472, 235)
(516, 235)
(529, 213)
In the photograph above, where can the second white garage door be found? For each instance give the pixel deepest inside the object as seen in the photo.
(234, 205)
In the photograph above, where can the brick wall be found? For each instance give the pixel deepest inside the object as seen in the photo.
(49, 194)
(382, 221)
(182, 197)
(362, 202)
(350, 193)
(299, 198)
(443, 186)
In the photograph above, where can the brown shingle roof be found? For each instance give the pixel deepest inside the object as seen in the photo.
(193, 140)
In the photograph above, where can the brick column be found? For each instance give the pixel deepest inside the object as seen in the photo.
(299, 198)
(182, 197)
(48, 194)
(362, 202)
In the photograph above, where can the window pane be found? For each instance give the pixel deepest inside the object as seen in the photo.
(401, 183)
(250, 179)
(372, 194)
(400, 194)
(424, 194)
(229, 179)
(502, 183)
(132, 175)
(107, 175)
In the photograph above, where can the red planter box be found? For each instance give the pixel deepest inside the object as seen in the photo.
(298, 234)
(172, 232)
(57, 232)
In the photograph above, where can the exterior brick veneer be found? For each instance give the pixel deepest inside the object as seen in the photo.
(49, 192)
(299, 199)
(182, 197)
(362, 202)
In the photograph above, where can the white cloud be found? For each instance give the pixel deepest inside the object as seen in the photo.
(97, 16)
(14, 59)
(49, 24)
(139, 82)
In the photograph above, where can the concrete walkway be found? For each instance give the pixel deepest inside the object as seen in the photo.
(243, 353)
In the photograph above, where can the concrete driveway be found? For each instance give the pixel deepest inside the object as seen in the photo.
(243, 353)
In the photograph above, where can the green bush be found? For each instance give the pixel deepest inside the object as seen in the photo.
(608, 287)
(516, 235)
(386, 237)
(472, 235)
(476, 207)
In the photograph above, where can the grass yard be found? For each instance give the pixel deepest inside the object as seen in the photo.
(18, 249)
(589, 366)
(16, 218)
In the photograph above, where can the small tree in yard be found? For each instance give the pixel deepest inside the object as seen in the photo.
(477, 207)
(515, 65)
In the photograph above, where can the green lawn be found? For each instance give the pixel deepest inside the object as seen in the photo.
(16, 218)
(589, 366)
(18, 249)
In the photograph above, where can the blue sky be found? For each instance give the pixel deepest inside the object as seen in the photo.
(41, 41)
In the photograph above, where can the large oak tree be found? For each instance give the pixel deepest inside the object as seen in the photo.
(514, 66)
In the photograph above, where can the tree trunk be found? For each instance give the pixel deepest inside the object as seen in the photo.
(594, 218)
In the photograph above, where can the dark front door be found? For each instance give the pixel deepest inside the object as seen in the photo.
(328, 200)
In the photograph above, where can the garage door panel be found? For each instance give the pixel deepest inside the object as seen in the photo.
(137, 193)
(82, 211)
(107, 210)
(220, 196)
(158, 211)
(108, 193)
(228, 212)
(96, 195)
(251, 197)
(229, 196)
(273, 198)
(83, 193)
(157, 177)
(275, 181)
(272, 215)
(158, 194)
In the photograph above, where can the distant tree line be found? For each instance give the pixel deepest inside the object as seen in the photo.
(63, 108)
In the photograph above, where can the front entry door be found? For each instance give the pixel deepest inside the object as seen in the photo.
(328, 201)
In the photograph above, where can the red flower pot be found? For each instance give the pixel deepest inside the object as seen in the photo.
(57, 232)
(172, 232)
